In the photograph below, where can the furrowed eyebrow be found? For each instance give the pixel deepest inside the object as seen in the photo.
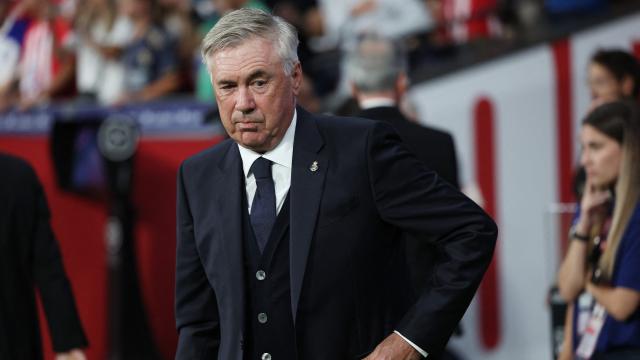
(226, 82)
(257, 74)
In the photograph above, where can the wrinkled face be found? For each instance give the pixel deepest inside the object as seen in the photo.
(601, 156)
(602, 83)
(256, 99)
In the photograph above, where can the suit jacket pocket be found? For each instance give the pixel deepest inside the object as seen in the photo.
(332, 213)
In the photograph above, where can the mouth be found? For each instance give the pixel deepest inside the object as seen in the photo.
(247, 125)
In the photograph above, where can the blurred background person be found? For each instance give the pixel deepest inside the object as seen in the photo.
(150, 58)
(179, 22)
(30, 259)
(46, 65)
(13, 25)
(600, 274)
(101, 32)
(614, 74)
(378, 78)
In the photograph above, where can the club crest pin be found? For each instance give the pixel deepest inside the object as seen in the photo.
(314, 166)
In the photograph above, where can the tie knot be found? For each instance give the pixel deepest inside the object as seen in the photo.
(261, 168)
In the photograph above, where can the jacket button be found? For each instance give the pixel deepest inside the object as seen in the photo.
(262, 318)
(261, 275)
(266, 356)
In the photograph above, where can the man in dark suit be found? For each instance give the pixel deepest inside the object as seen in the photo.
(289, 233)
(378, 78)
(30, 260)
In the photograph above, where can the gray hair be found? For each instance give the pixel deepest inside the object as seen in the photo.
(375, 64)
(243, 24)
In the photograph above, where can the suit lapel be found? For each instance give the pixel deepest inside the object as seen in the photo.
(308, 172)
(228, 201)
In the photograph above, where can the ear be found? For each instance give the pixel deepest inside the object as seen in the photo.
(627, 85)
(296, 78)
(402, 84)
(354, 90)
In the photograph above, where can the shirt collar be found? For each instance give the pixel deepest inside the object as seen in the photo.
(376, 102)
(282, 154)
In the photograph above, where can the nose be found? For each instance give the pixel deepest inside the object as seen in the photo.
(245, 102)
(584, 158)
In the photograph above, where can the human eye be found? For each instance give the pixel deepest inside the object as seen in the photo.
(259, 83)
(595, 146)
(226, 87)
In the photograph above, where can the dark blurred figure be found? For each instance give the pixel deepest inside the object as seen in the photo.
(30, 259)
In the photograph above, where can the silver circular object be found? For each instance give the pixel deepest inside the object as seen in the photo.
(118, 137)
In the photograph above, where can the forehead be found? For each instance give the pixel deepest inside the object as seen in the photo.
(590, 133)
(247, 57)
(597, 69)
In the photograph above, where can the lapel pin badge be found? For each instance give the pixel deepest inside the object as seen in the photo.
(314, 166)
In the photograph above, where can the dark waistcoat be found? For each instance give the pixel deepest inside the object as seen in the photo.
(269, 325)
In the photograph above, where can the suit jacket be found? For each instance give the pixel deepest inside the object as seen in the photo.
(434, 147)
(348, 274)
(29, 259)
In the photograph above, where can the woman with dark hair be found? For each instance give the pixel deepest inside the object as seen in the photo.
(613, 75)
(600, 275)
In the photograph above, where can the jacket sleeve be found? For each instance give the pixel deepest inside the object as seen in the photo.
(50, 277)
(196, 307)
(415, 200)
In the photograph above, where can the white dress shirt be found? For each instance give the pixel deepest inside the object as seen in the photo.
(281, 156)
(373, 102)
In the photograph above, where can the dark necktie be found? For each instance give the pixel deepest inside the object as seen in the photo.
(263, 208)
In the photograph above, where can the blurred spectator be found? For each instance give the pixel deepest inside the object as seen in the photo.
(13, 26)
(204, 90)
(179, 21)
(600, 274)
(101, 34)
(378, 76)
(343, 23)
(150, 59)
(30, 260)
(345, 20)
(614, 74)
(461, 21)
(46, 65)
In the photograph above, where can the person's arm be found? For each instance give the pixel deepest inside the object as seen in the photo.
(196, 308)
(619, 302)
(566, 352)
(165, 85)
(417, 201)
(573, 270)
(50, 277)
